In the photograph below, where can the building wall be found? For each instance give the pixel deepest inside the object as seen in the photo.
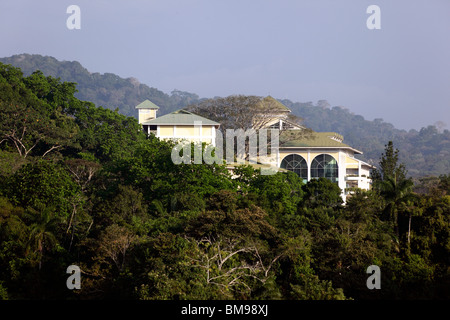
(146, 115)
(347, 166)
(192, 133)
(366, 182)
(166, 131)
(187, 131)
(207, 131)
(309, 155)
(351, 163)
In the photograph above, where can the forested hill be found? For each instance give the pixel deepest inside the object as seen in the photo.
(84, 190)
(107, 90)
(425, 152)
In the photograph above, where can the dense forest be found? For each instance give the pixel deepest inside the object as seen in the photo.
(426, 152)
(83, 185)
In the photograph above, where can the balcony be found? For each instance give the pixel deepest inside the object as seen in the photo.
(355, 177)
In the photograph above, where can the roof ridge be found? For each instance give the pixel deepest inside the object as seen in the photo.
(182, 111)
(181, 117)
(146, 104)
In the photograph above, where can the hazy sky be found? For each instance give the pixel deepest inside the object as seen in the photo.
(299, 50)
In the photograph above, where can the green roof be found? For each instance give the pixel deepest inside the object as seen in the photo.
(181, 117)
(318, 140)
(147, 104)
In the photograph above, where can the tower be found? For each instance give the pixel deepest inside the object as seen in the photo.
(147, 111)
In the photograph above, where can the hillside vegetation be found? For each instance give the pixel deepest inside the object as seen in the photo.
(426, 152)
(83, 185)
(107, 90)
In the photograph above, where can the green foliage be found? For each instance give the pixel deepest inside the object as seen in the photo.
(10, 162)
(42, 184)
(105, 134)
(42, 225)
(150, 168)
(108, 90)
(389, 166)
(314, 289)
(3, 293)
(33, 119)
(280, 193)
(322, 192)
(444, 183)
(100, 194)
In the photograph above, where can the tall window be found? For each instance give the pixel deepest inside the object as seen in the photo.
(297, 164)
(324, 166)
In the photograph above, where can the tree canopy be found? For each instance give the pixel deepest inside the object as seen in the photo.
(83, 185)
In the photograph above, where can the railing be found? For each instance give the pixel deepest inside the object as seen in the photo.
(355, 177)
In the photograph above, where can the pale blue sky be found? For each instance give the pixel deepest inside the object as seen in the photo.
(298, 50)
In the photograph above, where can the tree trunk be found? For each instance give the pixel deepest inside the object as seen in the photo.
(409, 227)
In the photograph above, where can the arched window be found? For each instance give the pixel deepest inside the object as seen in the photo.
(324, 166)
(297, 164)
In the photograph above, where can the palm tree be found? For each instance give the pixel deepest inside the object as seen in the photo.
(41, 236)
(412, 209)
(395, 192)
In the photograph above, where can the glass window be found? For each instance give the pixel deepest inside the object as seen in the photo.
(275, 126)
(324, 166)
(297, 164)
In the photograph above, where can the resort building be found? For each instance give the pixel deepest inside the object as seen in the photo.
(310, 156)
(323, 154)
(178, 125)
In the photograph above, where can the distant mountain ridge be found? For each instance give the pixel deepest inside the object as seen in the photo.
(107, 90)
(425, 152)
